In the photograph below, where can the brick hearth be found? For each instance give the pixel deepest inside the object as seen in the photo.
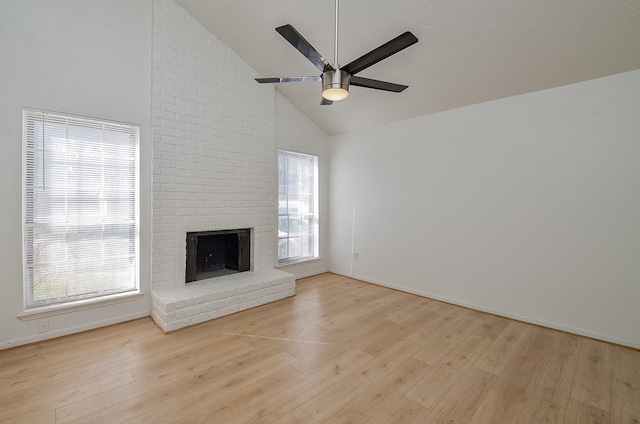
(204, 300)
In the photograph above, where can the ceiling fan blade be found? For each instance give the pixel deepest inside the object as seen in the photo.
(324, 102)
(287, 79)
(297, 40)
(268, 80)
(375, 84)
(399, 43)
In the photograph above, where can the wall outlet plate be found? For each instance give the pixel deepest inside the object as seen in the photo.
(43, 325)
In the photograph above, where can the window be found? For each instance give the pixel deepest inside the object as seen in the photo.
(297, 206)
(80, 208)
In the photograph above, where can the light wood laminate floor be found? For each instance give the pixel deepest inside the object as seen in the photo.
(341, 351)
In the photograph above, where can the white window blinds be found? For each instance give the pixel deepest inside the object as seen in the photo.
(80, 208)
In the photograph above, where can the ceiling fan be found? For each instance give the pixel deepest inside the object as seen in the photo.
(336, 79)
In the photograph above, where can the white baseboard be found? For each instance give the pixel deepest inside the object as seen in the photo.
(71, 330)
(306, 274)
(526, 319)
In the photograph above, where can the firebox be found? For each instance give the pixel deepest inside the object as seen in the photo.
(215, 253)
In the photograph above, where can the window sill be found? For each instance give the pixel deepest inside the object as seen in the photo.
(80, 305)
(296, 262)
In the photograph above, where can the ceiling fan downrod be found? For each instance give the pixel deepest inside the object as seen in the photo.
(335, 83)
(335, 43)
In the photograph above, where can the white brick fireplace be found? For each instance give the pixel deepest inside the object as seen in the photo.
(214, 168)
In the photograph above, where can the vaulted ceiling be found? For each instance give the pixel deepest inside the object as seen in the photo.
(468, 51)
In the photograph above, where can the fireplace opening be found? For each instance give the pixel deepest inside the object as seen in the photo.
(215, 253)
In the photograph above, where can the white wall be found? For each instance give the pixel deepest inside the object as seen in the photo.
(296, 132)
(85, 57)
(527, 207)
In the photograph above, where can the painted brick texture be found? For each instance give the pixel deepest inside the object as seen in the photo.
(214, 151)
(214, 160)
(173, 309)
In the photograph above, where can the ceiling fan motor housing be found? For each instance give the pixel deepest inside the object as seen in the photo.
(335, 84)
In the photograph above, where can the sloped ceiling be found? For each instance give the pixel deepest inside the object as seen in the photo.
(468, 51)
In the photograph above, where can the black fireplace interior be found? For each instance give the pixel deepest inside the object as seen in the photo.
(215, 253)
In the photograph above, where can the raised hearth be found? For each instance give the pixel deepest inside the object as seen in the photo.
(204, 300)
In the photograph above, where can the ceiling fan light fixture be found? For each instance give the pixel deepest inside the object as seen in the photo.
(335, 85)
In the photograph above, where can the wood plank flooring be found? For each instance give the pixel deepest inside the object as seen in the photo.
(341, 351)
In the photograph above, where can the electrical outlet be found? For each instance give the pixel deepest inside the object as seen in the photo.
(356, 257)
(43, 325)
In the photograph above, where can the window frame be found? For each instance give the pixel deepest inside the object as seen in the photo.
(61, 304)
(312, 213)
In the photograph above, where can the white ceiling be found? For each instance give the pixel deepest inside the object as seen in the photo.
(468, 51)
